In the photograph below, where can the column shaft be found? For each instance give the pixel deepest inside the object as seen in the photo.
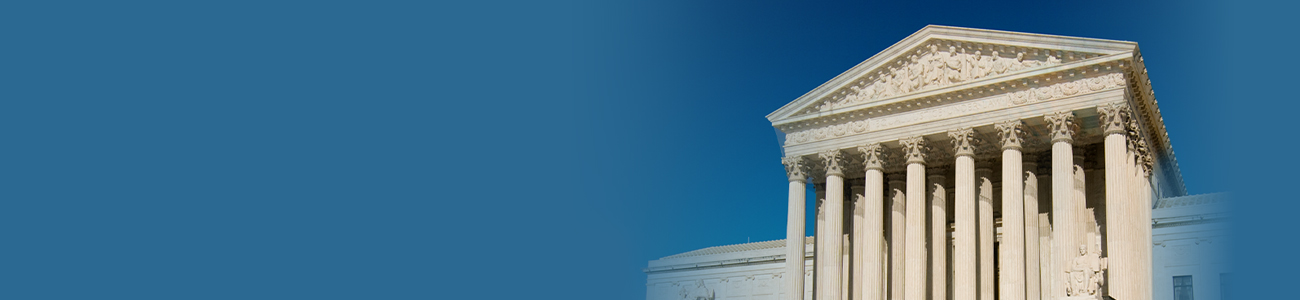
(938, 237)
(1013, 226)
(965, 256)
(986, 233)
(1045, 235)
(872, 236)
(1141, 209)
(1117, 192)
(796, 170)
(897, 237)
(794, 241)
(873, 230)
(819, 243)
(914, 285)
(858, 258)
(1063, 222)
(1032, 283)
(834, 235)
(1064, 242)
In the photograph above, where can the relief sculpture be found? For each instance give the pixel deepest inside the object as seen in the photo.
(931, 68)
(700, 292)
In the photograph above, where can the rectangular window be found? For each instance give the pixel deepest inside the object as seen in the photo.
(1183, 287)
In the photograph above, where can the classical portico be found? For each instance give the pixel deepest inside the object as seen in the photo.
(976, 164)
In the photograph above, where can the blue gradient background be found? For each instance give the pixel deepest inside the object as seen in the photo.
(509, 150)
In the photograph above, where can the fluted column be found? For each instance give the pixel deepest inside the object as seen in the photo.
(897, 234)
(819, 241)
(983, 177)
(1045, 230)
(965, 257)
(1032, 283)
(1081, 201)
(853, 242)
(938, 235)
(796, 171)
(1140, 209)
(1013, 207)
(832, 161)
(872, 235)
(914, 284)
(858, 241)
(1064, 242)
(1113, 119)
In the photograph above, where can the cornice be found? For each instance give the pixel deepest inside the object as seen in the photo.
(1146, 110)
(956, 93)
(1030, 92)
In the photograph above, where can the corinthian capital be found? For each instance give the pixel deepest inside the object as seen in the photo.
(872, 156)
(833, 161)
(963, 141)
(796, 168)
(1113, 118)
(1011, 133)
(1062, 126)
(914, 149)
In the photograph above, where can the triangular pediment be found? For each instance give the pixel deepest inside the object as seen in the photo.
(942, 57)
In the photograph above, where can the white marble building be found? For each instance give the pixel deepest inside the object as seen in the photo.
(913, 154)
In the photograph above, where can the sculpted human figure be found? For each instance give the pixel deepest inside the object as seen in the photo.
(860, 92)
(967, 66)
(933, 64)
(1098, 266)
(915, 73)
(1052, 60)
(1020, 61)
(934, 75)
(999, 64)
(891, 87)
(954, 64)
(983, 65)
(700, 292)
(1085, 274)
(901, 79)
(879, 86)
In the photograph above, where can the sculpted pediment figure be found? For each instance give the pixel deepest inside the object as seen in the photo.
(940, 56)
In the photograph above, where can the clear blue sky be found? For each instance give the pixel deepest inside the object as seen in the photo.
(502, 150)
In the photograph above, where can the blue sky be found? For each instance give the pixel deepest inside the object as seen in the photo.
(508, 150)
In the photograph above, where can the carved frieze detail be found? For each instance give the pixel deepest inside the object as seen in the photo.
(936, 66)
(1026, 96)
